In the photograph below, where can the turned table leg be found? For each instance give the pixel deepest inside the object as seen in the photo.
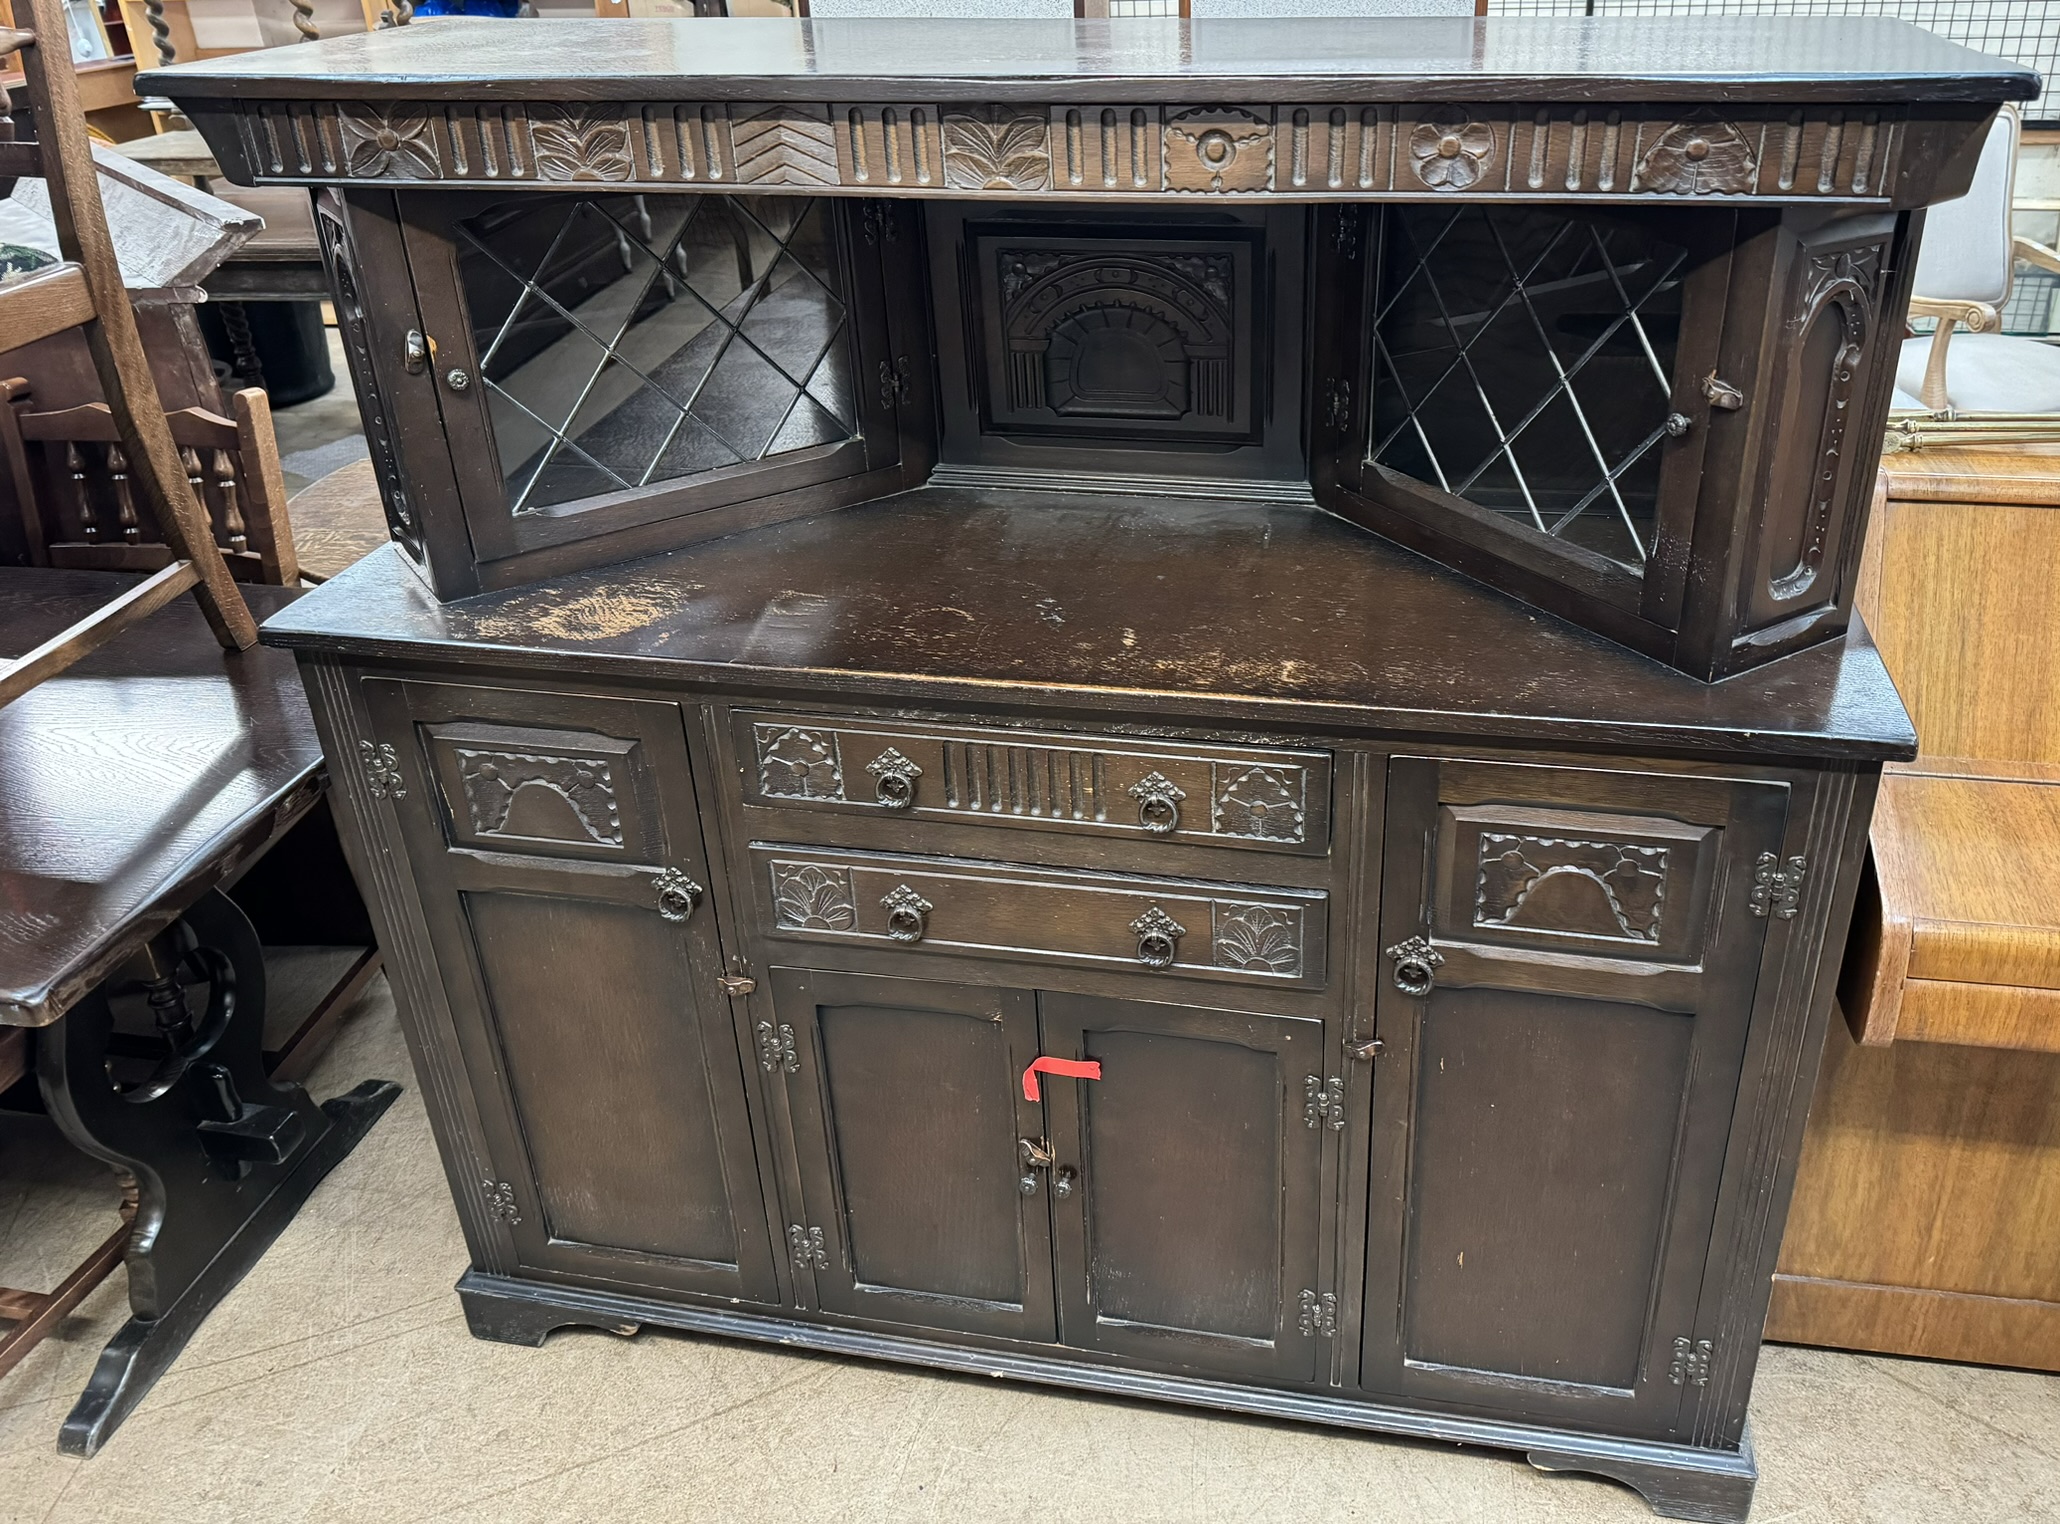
(222, 1156)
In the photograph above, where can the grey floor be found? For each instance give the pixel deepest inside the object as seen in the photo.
(338, 1382)
(321, 435)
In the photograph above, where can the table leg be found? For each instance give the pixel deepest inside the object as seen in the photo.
(223, 1157)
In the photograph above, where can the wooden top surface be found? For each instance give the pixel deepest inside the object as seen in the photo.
(1123, 609)
(1730, 59)
(129, 783)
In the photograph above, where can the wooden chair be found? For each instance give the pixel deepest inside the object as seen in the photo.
(80, 506)
(1929, 1185)
(85, 291)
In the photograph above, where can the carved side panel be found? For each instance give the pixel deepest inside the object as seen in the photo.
(1607, 889)
(783, 145)
(351, 326)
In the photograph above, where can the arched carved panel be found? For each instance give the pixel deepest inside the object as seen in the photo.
(1105, 335)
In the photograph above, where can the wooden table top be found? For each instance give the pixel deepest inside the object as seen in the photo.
(1734, 59)
(133, 782)
(1130, 608)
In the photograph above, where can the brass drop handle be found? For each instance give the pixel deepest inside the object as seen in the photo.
(894, 780)
(1416, 965)
(1158, 803)
(908, 913)
(677, 894)
(1158, 938)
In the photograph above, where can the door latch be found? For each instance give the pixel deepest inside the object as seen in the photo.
(417, 350)
(1037, 1155)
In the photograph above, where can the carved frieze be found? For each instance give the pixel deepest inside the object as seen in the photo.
(565, 798)
(1613, 890)
(810, 897)
(1338, 151)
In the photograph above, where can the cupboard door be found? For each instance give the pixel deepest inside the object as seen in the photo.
(558, 851)
(1572, 959)
(909, 1120)
(1188, 1228)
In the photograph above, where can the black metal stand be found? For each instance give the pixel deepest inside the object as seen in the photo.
(222, 1156)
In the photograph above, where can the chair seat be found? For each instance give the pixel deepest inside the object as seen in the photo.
(1964, 862)
(1988, 372)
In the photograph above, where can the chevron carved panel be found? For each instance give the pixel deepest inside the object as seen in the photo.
(784, 145)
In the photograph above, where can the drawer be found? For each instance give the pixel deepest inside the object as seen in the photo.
(927, 904)
(1271, 799)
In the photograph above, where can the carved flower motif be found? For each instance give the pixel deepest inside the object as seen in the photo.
(1450, 150)
(1699, 159)
(390, 143)
(993, 148)
(813, 898)
(570, 146)
(1259, 940)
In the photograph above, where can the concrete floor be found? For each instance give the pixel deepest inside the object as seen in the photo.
(338, 1383)
(322, 435)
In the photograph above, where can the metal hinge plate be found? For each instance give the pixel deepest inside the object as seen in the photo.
(1777, 886)
(1323, 1102)
(809, 1249)
(776, 1048)
(1319, 1314)
(1691, 1366)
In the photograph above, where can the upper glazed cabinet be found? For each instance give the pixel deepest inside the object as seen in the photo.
(1620, 343)
(1655, 420)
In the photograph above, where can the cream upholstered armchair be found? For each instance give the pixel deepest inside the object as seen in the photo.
(1963, 278)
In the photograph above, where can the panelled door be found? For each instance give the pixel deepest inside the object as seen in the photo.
(913, 1136)
(1571, 963)
(1190, 1170)
(558, 851)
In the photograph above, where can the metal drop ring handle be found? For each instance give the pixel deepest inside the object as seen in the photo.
(1158, 803)
(1416, 966)
(1158, 938)
(908, 914)
(894, 779)
(677, 894)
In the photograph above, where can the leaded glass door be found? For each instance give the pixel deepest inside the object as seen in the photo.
(1522, 387)
(609, 362)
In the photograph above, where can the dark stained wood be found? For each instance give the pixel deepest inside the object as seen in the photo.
(127, 788)
(1196, 607)
(1292, 58)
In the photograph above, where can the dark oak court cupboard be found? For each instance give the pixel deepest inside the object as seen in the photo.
(1161, 708)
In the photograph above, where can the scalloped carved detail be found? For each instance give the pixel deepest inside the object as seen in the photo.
(1700, 158)
(1613, 890)
(794, 763)
(539, 797)
(1262, 803)
(1258, 939)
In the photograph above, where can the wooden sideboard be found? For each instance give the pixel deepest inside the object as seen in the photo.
(910, 815)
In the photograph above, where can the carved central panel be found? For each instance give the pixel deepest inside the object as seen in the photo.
(1609, 889)
(1126, 333)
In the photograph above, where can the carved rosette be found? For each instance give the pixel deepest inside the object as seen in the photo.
(1449, 150)
(573, 145)
(1261, 803)
(996, 148)
(1219, 149)
(389, 143)
(809, 897)
(1699, 159)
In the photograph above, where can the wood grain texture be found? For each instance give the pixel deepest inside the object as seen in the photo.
(133, 782)
(337, 521)
(948, 594)
(1963, 862)
(1931, 1169)
(1963, 1327)
(48, 301)
(2027, 475)
(80, 640)
(1980, 1015)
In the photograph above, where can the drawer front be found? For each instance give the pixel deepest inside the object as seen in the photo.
(1275, 800)
(1214, 931)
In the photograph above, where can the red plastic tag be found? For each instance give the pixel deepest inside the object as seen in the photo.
(1073, 1068)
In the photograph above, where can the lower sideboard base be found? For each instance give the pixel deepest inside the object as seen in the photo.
(1679, 1481)
(1963, 1326)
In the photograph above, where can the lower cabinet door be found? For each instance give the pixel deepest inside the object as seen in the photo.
(1186, 1185)
(911, 1129)
(1571, 963)
(556, 846)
